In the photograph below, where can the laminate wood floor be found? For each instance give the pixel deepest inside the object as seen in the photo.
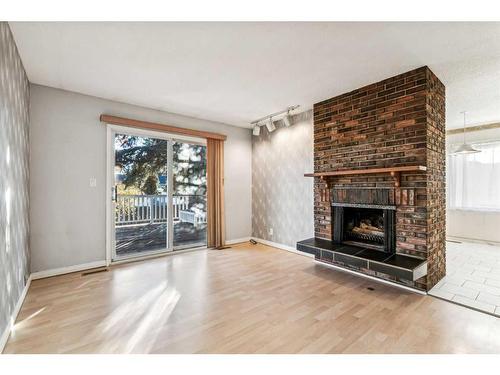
(248, 299)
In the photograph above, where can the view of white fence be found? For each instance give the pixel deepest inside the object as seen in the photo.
(192, 217)
(137, 209)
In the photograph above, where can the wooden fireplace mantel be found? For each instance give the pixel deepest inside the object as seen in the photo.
(395, 172)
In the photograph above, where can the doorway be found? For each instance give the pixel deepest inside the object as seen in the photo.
(158, 193)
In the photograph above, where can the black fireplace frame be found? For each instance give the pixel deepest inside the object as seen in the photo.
(389, 216)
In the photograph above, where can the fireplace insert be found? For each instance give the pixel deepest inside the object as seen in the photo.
(367, 226)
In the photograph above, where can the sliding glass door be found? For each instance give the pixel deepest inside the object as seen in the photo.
(159, 194)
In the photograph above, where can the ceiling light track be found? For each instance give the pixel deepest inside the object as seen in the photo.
(269, 122)
(289, 109)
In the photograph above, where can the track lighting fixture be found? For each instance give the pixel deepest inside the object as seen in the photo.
(270, 125)
(287, 120)
(256, 130)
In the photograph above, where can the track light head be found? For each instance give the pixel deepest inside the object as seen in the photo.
(256, 130)
(270, 125)
(287, 120)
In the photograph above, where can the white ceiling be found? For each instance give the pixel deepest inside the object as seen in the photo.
(237, 72)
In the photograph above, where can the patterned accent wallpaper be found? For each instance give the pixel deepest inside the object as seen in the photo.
(282, 198)
(14, 174)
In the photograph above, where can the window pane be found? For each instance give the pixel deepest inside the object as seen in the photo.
(141, 209)
(474, 179)
(190, 169)
(189, 195)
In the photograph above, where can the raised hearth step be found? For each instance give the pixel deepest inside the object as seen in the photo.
(398, 265)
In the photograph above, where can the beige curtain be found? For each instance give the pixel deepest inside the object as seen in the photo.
(216, 228)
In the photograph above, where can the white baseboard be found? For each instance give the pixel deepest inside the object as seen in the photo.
(238, 240)
(69, 269)
(282, 247)
(6, 333)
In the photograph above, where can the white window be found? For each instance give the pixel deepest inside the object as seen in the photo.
(474, 179)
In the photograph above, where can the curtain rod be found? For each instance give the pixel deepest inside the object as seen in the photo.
(115, 120)
(494, 125)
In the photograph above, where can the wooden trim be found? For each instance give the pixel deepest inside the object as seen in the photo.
(391, 170)
(495, 125)
(108, 119)
(396, 177)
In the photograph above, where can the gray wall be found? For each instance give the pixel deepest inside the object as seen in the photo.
(282, 198)
(68, 146)
(14, 174)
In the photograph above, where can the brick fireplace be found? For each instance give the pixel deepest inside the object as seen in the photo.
(382, 148)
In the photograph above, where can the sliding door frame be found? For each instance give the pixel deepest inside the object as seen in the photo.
(111, 131)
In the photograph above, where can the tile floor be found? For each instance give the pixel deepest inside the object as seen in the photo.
(472, 277)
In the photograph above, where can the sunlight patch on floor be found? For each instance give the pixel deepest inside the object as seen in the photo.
(132, 325)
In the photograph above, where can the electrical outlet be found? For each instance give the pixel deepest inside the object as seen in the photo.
(93, 182)
(270, 231)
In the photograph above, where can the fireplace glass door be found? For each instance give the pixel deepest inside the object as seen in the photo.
(369, 227)
(364, 227)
